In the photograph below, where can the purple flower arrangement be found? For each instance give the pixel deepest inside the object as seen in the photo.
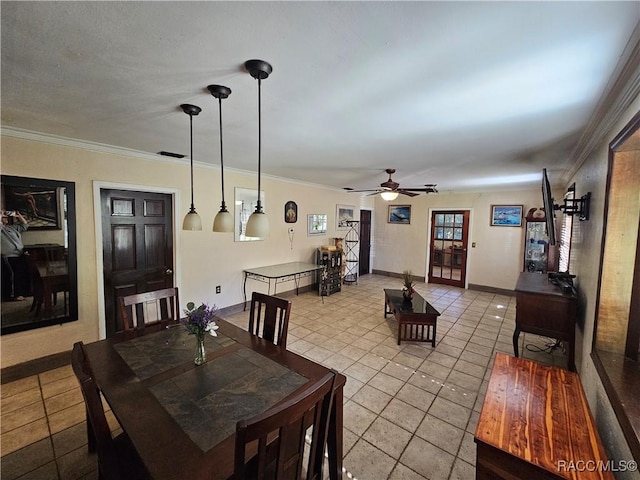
(200, 320)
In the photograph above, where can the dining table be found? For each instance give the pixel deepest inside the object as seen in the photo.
(181, 418)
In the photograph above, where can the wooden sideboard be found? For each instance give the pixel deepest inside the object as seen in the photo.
(545, 309)
(536, 424)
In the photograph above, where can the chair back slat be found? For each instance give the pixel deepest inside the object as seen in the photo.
(142, 309)
(269, 318)
(281, 434)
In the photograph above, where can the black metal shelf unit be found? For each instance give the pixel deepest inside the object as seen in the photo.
(351, 246)
(329, 282)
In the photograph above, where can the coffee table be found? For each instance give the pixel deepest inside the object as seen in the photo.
(416, 318)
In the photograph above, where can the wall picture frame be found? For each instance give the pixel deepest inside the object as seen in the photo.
(400, 214)
(344, 213)
(317, 224)
(506, 215)
(290, 212)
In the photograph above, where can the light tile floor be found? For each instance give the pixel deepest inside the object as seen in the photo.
(410, 411)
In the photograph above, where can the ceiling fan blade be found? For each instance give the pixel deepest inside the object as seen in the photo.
(428, 189)
(375, 190)
(407, 193)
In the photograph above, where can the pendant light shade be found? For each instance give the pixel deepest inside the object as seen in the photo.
(224, 220)
(258, 224)
(192, 219)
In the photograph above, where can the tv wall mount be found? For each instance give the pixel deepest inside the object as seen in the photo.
(576, 206)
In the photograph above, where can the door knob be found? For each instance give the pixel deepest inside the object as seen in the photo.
(168, 271)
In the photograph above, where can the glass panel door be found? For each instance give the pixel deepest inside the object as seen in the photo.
(448, 259)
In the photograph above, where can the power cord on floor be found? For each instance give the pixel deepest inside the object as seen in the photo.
(551, 345)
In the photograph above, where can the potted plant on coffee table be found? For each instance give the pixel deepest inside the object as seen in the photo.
(407, 285)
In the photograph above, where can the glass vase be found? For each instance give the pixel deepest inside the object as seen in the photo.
(201, 354)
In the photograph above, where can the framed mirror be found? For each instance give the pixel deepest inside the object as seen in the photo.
(245, 204)
(616, 333)
(39, 263)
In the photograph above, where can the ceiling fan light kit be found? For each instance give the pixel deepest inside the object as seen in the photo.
(390, 190)
(192, 219)
(389, 195)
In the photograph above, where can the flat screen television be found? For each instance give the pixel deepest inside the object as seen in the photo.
(549, 208)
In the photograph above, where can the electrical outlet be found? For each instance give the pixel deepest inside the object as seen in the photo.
(218, 289)
(473, 245)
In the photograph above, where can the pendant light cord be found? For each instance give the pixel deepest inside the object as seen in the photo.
(193, 208)
(259, 205)
(224, 207)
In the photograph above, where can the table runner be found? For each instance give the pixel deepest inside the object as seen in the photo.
(207, 401)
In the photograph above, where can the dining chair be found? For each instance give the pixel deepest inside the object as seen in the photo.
(56, 284)
(269, 318)
(117, 458)
(143, 309)
(281, 434)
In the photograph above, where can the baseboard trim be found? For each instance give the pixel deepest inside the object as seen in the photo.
(239, 307)
(480, 288)
(34, 367)
(498, 291)
(417, 278)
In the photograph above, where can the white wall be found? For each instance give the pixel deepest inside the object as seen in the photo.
(497, 258)
(585, 263)
(204, 259)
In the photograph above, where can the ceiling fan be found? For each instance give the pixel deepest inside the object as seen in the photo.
(390, 190)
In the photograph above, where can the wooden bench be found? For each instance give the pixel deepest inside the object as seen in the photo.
(536, 424)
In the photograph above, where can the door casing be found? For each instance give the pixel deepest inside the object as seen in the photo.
(463, 283)
(97, 216)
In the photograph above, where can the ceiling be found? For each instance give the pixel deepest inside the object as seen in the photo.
(471, 96)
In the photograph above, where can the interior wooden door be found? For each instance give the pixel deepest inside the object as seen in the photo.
(448, 256)
(365, 242)
(137, 246)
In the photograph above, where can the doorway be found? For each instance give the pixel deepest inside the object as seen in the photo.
(137, 246)
(448, 252)
(365, 242)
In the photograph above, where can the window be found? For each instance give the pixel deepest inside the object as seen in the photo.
(565, 233)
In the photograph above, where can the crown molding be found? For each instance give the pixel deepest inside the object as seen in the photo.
(623, 88)
(121, 151)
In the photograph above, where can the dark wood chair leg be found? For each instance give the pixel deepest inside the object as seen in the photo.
(91, 438)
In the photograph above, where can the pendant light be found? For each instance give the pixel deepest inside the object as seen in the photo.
(224, 220)
(192, 219)
(258, 224)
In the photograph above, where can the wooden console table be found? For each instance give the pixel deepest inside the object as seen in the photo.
(536, 424)
(544, 309)
(413, 317)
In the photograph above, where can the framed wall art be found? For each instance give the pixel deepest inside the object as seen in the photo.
(39, 205)
(344, 213)
(399, 214)
(290, 212)
(506, 215)
(316, 224)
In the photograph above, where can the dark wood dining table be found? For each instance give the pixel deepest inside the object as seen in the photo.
(181, 417)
